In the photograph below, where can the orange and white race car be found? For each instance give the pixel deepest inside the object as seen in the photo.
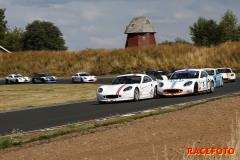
(228, 74)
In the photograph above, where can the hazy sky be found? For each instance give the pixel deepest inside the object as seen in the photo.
(101, 23)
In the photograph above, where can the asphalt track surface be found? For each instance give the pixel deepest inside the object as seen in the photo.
(51, 116)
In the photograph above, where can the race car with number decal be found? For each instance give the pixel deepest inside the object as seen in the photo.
(16, 78)
(83, 77)
(228, 74)
(187, 81)
(43, 78)
(218, 78)
(128, 87)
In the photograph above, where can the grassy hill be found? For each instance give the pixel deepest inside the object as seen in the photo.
(121, 61)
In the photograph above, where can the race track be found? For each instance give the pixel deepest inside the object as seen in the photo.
(46, 117)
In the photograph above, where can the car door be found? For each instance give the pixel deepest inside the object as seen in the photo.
(204, 81)
(218, 78)
(146, 87)
(11, 78)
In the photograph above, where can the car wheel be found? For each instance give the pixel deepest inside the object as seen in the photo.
(100, 102)
(195, 90)
(73, 80)
(43, 80)
(136, 95)
(33, 80)
(6, 81)
(221, 84)
(211, 87)
(155, 93)
(17, 81)
(81, 80)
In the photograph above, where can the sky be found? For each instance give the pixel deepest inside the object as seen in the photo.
(101, 23)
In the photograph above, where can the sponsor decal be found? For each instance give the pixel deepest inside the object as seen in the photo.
(228, 75)
(120, 89)
(211, 151)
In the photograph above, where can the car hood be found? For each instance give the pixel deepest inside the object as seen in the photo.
(115, 89)
(176, 84)
(89, 77)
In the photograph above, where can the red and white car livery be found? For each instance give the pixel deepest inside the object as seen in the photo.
(187, 81)
(16, 78)
(227, 73)
(128, 87)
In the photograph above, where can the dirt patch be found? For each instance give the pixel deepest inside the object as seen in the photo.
(157, 137)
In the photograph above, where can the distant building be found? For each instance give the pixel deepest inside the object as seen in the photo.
(2, 49)
(140, 32)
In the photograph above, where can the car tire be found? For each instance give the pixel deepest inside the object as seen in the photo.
(33, 80)
(211, 87)
(43, 81)
(221, 83)
(17, 81)
(100, 102)
(81, 80)
(155, 92)
(195, 89)
(6, 81)
(136, 95)
(73, 80)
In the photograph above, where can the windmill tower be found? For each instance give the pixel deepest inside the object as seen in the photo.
(140, 32)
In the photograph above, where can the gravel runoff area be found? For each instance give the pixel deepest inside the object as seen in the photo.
(152, 138)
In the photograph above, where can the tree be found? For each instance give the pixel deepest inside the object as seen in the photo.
(3, 25)
(205, 32)
(180, 40)
(43, 35)
(229, 27)
(13, 39)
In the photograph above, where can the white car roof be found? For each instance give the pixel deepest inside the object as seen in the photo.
(137, 74)
(15, 75)
(82, 73)
(209, 68)
(190, 70)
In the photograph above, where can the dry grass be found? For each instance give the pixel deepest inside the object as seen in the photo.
(233, 143)
(31, 95)
(119, 61)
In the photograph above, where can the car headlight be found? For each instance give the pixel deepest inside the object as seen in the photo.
(100, 90)
(187, 83)
(84, 77)
(232, 74)
(161, 84)
(127, 88)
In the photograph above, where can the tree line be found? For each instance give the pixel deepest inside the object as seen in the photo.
(206, 32)
(38, 35)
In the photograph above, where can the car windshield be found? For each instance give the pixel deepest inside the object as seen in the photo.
(228, 71)
(185, 75)
(43, 75)
(84, 74)
(222, 70)
(210, 72)
(127, 80)
(18, 75)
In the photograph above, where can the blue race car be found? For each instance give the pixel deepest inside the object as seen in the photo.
(43, 78)
(218, 78)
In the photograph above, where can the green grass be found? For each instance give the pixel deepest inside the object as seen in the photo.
(17, 138)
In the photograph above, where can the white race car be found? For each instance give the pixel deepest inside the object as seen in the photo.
(83, 77)
(228, 74)
(187, 81)
(128, 87)
(16, 78)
